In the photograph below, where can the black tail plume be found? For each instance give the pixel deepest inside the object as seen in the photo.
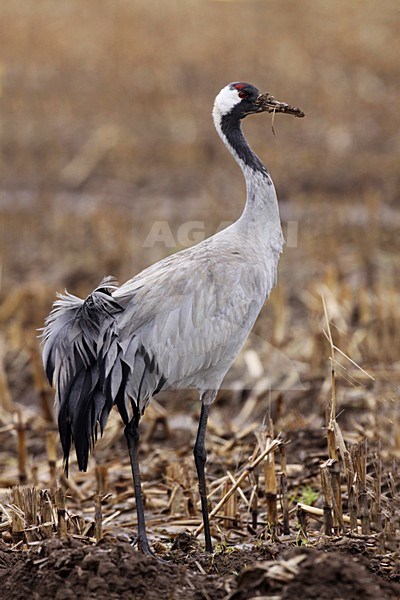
(70, 357)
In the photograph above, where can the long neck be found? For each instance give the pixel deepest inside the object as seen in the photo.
(260, 217)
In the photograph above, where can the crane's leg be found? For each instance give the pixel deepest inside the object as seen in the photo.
(132, 438)
(200, 457)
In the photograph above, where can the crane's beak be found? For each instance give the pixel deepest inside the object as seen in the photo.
(267, 103)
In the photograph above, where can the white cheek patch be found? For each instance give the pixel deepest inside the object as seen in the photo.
(226, 100)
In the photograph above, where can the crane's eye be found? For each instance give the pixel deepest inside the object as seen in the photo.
(242, 94)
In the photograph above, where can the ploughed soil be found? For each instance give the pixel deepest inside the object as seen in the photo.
(63, 569)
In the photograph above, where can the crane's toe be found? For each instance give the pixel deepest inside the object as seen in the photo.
(144, 548)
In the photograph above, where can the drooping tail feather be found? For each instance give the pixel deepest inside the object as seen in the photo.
(71, 361)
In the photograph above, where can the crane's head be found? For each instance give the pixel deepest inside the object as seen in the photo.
(242, 99)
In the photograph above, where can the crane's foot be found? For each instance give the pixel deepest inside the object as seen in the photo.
(144, 547)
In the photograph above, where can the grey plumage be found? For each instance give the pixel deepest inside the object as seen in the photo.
(178, 324)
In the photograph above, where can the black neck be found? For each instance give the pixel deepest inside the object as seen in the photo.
(231, 128)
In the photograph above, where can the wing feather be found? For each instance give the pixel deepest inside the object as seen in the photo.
(190, 316)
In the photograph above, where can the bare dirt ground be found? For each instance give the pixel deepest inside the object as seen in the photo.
(106, 132)
(113, 569)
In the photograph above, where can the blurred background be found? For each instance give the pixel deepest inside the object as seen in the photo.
(106, 130)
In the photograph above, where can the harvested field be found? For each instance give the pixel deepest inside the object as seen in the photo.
(89, 189)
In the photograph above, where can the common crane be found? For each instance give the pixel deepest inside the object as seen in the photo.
(178, 324)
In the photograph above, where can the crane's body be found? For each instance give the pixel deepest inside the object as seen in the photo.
(178, 324)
